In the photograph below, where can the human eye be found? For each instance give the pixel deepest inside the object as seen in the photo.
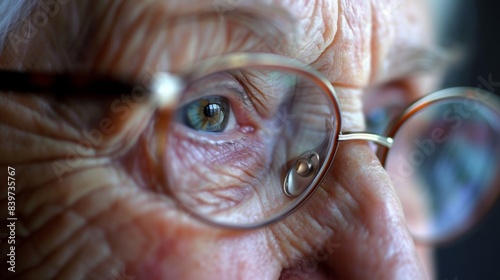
(244, 103)
(378, 119)
(210, 114)
(215, 104)
(383, 105)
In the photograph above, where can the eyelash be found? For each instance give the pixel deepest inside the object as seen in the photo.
(219, 87)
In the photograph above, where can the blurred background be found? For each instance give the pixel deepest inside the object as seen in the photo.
(476, 28)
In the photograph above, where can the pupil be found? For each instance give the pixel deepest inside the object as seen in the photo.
(211, 110)
(210, 114)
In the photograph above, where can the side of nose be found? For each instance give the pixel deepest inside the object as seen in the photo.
(368, 220)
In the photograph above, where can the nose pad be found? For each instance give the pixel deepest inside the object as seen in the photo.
(301, 174)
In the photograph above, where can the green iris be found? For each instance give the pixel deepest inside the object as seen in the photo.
(210, 114)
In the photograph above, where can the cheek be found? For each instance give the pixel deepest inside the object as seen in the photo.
(210, 177)
(203, 255)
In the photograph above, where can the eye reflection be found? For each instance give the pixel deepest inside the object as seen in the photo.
(210, 114)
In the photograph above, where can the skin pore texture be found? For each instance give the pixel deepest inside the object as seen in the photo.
(107, 212)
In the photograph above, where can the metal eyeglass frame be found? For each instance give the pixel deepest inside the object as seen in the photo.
(167, 87)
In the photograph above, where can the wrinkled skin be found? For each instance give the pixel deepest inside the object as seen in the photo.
(107, 213)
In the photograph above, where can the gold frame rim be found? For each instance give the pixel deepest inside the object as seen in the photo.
(239, 60)
(419, 105)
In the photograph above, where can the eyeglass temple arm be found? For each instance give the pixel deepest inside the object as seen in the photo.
(378, 139)
(61, 84)
(164, 89)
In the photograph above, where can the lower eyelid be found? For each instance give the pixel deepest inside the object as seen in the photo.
(213, 138)
(213, 148)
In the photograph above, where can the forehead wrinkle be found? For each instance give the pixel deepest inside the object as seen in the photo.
(266, 20)
(118, 23)
(365, 40)
(319, 24)
(344, 53)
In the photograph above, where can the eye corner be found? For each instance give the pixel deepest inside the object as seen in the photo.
(384, 103)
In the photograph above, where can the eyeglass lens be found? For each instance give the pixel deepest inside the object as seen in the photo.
(444, 163)
(246, 145)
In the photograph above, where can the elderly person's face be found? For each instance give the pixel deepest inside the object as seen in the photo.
(106, 214)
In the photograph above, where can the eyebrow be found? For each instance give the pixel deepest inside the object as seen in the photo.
(410, 61)
(274, 24)
(269, 22)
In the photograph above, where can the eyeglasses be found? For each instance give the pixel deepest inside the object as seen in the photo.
(245, 139)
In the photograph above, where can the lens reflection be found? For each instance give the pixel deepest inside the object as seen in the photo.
(236, 176)
(443, 164)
